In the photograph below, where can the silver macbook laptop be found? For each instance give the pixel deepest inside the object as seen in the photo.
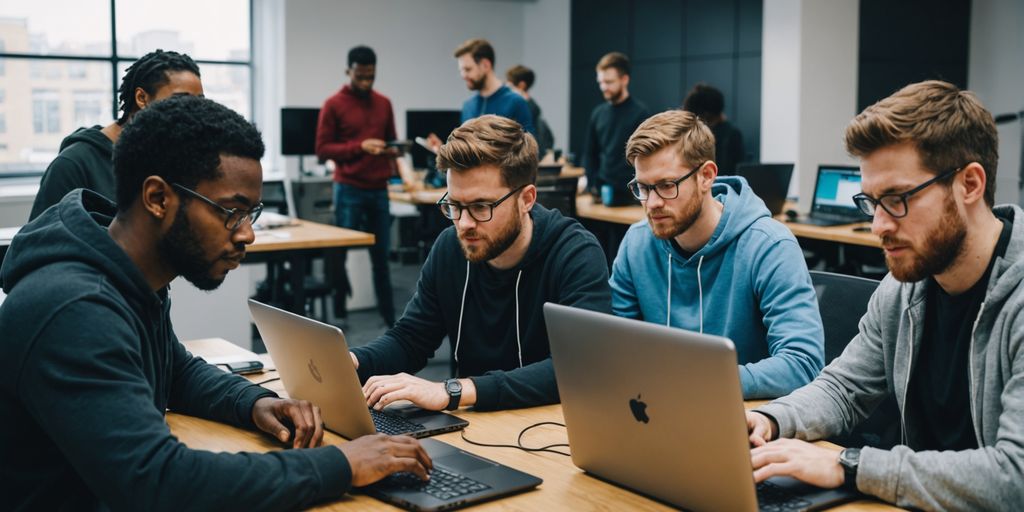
(313, 362)
(659, 410)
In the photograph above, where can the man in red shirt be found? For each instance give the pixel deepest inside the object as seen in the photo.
(354, 126)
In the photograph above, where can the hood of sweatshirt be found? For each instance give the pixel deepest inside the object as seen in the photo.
(91, 136)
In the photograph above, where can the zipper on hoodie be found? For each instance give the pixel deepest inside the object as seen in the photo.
(906, 383)
(970, 373)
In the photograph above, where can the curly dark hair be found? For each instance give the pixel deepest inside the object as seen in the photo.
(705, 101)
(181, 140)
(150, 73)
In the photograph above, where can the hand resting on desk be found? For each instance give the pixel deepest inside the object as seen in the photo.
(382, 390)
(269, 415)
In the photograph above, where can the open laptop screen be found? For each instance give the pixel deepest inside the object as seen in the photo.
(834, 190)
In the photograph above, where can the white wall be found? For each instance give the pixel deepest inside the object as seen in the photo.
(809, 85)
(996, 75)
(414, 41)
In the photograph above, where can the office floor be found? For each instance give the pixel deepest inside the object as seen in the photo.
(363, 326)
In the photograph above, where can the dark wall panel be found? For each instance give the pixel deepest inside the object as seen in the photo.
(909, 41)
(673, 45)
(658, 85)
(710, 27)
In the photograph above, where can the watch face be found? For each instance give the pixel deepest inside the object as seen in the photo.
(453, 386)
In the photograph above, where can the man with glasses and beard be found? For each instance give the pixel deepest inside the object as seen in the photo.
(89, 362)
(485, 283)
(944, 332)
(710, 258)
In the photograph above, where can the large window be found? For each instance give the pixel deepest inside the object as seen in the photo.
(61, 63)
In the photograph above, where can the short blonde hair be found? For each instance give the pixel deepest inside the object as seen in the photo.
(492, 140)
(692, 138)
(950, 128)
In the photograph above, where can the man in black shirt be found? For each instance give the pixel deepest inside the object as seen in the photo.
(611, 124)
(709, 104)
(944, 332)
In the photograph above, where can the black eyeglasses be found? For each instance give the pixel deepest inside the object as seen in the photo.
(235, 216)
(665, 189)
(895, 204)
(481, 212)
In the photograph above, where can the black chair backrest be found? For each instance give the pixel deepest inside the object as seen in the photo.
(842, 301)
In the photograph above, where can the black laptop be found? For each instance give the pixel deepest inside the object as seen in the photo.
(833, 197)
(770, 182)
(459, 479)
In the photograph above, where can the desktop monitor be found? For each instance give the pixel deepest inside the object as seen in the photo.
(420, 123)
(298, 130)
(834, 190)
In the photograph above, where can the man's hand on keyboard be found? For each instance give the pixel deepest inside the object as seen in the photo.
(270, 415)
(376, 456)
(381, 390)
(799, 459)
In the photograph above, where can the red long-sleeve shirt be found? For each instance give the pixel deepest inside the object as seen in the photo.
(346, 120)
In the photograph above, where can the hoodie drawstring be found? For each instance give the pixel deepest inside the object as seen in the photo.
(700, 294)
(462, 308)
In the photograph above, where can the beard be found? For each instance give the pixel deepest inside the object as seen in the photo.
(181, 249)
(941, 248)
(478, 84)
(613, 96)
(488, 249)
(680, 223)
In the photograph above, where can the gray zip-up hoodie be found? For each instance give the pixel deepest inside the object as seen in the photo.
(878, 362)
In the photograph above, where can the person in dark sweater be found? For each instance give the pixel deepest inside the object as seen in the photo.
(476, 67)
(89, 362)
(611, 124)
(520, 79)
(485, 283)
(354, 127)
(708, 104)
(84, 158)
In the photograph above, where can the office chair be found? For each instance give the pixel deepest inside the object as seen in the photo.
(842, 301)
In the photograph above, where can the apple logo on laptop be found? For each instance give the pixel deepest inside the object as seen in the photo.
(315, 372)
(639, 408)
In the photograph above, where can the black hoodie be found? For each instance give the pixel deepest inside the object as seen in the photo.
(84, 161)
(89, 363)
(504, 341)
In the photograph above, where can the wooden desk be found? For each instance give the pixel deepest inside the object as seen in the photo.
(299, 244)
(565, 486)
(587, 209)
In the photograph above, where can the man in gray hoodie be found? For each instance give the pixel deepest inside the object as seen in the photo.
(944, 333)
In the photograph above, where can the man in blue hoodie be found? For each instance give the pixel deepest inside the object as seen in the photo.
(89, 363)
(476, 67)
(485, 283)
(710, 258)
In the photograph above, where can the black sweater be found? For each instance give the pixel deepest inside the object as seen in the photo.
(604, 156)
(89, 364)
(564, 264)
(84, 161)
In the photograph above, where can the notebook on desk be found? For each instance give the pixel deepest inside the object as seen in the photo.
(659, 410)
(833, 204)
(313, 361)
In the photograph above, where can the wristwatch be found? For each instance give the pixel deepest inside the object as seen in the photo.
(849, 459)
(454, 389)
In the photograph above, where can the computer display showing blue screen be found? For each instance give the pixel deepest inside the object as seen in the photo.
(835, 189)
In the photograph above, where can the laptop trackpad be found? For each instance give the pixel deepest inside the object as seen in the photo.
(463, 463)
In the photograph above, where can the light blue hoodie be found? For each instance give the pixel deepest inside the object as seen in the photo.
(749, 283)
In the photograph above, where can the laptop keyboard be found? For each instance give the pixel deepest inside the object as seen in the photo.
(393, 425)
(443, 484)
(771, 498)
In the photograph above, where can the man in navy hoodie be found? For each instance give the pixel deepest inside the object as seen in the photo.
(710, 258)
(476, 67)
(89, 362)
(485, 283)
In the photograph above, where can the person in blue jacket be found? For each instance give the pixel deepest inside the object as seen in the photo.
(710, 258)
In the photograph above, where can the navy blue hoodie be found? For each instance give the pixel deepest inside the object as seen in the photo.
(89, 364)
(84, 162)
(494, 319)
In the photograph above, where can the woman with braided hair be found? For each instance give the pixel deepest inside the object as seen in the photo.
(84, 160)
